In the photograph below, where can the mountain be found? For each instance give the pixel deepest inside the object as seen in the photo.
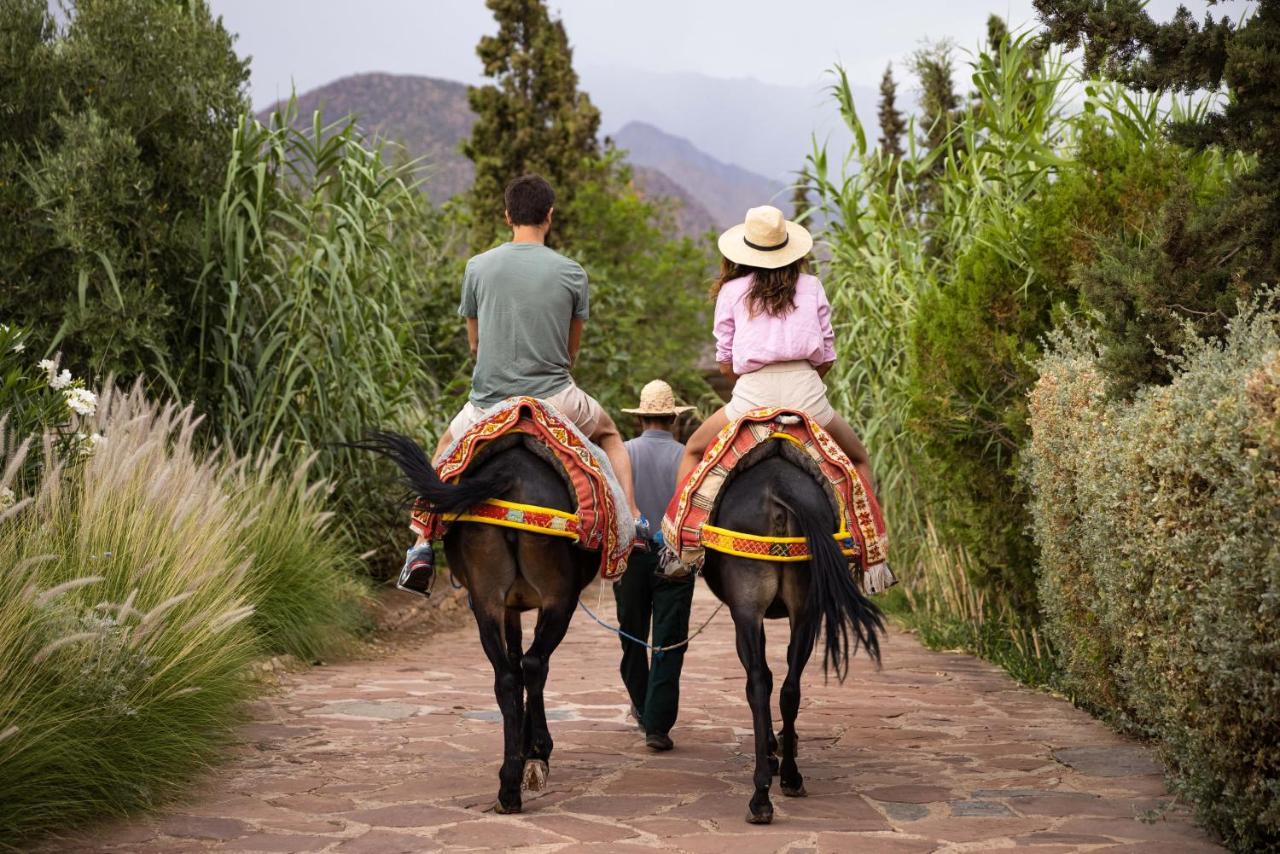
(426, 115)
(691, 218)
(762, 127)
(430, 117)
(726, 191)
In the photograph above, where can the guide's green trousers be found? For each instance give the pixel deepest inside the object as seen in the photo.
(643, 597)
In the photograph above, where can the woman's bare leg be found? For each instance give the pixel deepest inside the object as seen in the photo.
(699, 442)
(849, 442)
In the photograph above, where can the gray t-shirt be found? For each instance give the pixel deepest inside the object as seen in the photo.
(523, 296)
(655, 462)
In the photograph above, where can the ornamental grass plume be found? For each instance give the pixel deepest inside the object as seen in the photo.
(137, 583)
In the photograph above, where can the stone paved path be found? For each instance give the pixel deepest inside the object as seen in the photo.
(935, 752)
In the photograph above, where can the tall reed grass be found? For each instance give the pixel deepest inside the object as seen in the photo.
(138, 583)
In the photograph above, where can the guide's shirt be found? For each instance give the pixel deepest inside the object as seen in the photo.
(523, 297)
(655, 462)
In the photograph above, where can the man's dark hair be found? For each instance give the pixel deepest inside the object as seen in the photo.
(657, 422)
(529, 199)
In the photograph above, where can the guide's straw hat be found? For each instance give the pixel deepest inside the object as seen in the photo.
(766, 239)
(657, 399)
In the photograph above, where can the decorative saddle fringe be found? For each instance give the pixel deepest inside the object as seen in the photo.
(879, 577)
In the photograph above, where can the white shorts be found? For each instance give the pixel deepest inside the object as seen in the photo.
(793, 385)
(571, 402)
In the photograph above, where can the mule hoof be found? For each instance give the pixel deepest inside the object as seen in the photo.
(762, 817)
(535, 775)
(793, 791)
(500, 809)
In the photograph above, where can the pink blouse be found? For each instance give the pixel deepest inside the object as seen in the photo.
(804, 334)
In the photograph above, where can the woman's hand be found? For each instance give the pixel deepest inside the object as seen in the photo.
(726, 369)
(824, 369)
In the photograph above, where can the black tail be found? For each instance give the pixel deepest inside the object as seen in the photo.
(834, 597)
(423, 482)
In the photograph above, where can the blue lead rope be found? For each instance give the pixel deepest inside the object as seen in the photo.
(656, 650)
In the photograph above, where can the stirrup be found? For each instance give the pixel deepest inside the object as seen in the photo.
(419, 570)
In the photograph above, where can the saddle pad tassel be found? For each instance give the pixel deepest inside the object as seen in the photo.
(880, 578)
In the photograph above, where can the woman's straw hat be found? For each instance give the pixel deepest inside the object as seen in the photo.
(656, 398)
(767, 239)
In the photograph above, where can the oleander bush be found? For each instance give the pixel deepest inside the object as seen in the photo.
(139, 579)
(1158, 522)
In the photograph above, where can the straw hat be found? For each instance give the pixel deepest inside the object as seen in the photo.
(656, 398)
(767, 240)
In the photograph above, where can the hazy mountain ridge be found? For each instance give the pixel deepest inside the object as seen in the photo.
(765, 128)
(726, 191)
(430, 117)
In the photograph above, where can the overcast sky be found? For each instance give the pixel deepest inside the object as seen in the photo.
(310, 42)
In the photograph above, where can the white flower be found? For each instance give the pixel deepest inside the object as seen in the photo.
(49, 367)
(19, 347)
(81, 400)
(89, 444)
(62, 380)
(7, 498)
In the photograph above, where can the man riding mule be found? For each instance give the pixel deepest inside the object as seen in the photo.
(525, 306)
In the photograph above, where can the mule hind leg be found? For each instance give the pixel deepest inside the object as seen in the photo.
(750, 637)
(481, 554)
(544, 563)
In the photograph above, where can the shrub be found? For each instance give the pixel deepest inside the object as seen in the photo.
(1158, 522)
(117, 115)
(138, 582)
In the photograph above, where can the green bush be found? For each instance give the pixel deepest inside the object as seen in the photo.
(116, 120)
(1158, 522)
(139, 580)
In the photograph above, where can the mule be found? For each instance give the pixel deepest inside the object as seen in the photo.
(507, 572)
(773, 492)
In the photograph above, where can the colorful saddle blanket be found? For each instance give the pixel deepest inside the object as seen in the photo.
(601, 519)
(862, 536)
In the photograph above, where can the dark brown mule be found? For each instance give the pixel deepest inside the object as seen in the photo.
(775, 492)
(507, 572)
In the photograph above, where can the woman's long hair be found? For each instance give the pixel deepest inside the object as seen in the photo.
(773, 292)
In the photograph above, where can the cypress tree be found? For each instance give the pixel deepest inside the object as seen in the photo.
(892, 123)
(532, 118)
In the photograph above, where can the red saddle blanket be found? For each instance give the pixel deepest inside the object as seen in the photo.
(598, 524)
(858, 512)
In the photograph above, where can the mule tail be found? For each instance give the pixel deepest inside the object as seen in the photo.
(850, 619)
(419, 475)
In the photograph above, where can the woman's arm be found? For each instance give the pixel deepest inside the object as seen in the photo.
(828, 334)
(724, 329)
(824, 368)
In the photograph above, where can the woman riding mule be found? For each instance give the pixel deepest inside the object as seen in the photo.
(774, 338)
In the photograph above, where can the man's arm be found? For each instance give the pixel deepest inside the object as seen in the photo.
(473, 335)
(575, 339)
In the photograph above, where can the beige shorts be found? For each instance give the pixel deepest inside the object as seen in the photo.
(572, 402)
(794, 385)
